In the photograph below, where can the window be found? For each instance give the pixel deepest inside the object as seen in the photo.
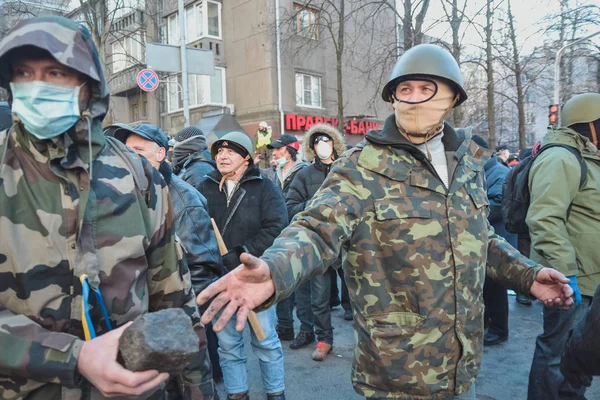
(123, 7)
(306, 22)
(213, 13)
(308, 90)
(173, 29)
(202, 19)
(135, 113)
(193, 22)
(203, 90)
(128, 51)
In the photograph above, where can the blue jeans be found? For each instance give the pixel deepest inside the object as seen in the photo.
(545, 378)
(233, 358)
(312, 307)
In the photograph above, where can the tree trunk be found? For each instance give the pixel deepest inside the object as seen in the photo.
(517, 71)
(338, 55)
(455, 25)
(490, 77)
(407, 25)
(418, 32)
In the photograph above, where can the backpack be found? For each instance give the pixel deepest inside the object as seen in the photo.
(515, 190)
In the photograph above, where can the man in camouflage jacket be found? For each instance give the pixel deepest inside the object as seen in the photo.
(71, 204)
(413, 232)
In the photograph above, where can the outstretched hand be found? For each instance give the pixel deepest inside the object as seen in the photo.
(552, 288)
(240, 291)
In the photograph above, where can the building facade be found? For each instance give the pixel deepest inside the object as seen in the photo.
(242, 34)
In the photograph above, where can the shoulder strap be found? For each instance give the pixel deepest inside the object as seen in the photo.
(582, 164)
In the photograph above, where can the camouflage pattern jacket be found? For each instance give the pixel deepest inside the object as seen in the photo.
(57, 223)
(415, 256)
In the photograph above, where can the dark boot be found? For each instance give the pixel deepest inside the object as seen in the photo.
(276, 396)
(238, 396)
(303, 339)
(285, 333)
(348, 316)
(492, 339)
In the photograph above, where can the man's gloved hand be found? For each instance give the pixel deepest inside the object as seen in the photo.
(231, 259)
(576, 291)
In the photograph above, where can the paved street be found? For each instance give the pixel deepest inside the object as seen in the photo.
(504, 373)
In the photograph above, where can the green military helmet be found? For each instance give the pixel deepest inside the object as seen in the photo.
(580, 109)
(239, 138)
(425, 60)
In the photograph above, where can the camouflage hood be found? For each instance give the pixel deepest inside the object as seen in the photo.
(70, 44)
(339, 145)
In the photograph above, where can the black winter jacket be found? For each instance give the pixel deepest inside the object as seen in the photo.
(196, 168)
(194, 230)
(581, 357)
(304, 186)
(255, 214)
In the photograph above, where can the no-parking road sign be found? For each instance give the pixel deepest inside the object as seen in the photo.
(147, 80)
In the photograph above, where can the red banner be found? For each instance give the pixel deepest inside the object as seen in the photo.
(296, 122)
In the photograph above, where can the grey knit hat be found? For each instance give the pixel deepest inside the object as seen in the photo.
(187, 133)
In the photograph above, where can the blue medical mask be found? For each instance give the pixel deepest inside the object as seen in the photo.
(46, 110)
(281, 162)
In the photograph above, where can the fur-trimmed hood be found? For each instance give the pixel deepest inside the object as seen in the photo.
(339, 145)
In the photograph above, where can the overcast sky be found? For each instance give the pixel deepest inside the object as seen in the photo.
(529, 15)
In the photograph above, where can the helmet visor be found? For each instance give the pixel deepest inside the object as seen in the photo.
(415, 91)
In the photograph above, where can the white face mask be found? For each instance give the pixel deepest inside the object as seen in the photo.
(324, 150)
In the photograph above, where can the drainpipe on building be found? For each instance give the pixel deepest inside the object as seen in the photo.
(278, 22)
(184, 74)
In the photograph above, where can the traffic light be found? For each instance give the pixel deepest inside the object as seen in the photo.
(553, 116)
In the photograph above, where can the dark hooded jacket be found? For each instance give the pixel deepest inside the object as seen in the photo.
(194, 230)
(191, 160)
(309, 179)
(66, 213)
(254, 215)
(581, 356)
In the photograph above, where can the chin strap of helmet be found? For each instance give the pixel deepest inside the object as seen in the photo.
(594, 135)
(232, 173)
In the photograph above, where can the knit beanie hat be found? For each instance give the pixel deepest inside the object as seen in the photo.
(187, 133)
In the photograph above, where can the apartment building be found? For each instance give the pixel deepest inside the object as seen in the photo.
(242, 34)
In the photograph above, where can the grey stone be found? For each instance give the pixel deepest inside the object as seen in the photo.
(164, 340)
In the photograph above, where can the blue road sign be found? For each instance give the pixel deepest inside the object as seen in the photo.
(147, 80)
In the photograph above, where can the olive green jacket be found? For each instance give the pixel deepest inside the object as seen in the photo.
(564, 220)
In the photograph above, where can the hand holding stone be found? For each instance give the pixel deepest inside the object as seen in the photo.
(164, 340)
(97, 362)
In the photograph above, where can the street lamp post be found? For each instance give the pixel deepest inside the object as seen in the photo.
(557, 68)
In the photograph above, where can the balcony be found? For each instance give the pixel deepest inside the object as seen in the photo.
(124, 82)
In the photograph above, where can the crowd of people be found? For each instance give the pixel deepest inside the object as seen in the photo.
(412, 221)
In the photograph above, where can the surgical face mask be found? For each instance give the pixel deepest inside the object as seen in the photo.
(46, 110)
(424, 119)
(281, 162)
(323, 150)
